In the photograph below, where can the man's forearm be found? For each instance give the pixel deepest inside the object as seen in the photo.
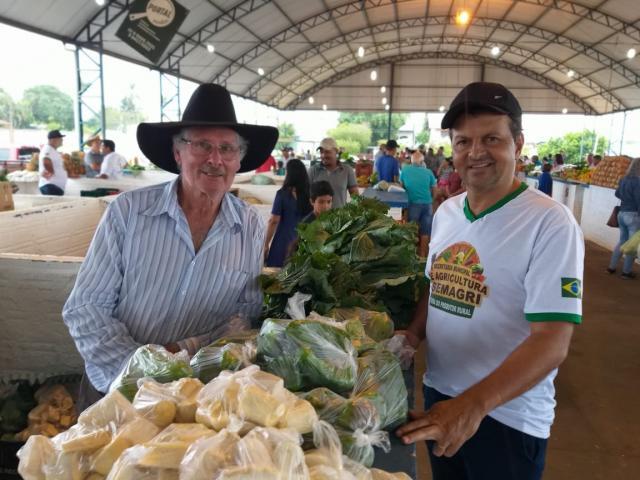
(526, 366)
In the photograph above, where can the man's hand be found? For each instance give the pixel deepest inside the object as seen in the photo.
(411, 337)
(47, 174)
(449, 423)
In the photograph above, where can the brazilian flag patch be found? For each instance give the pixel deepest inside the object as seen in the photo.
(571, 288)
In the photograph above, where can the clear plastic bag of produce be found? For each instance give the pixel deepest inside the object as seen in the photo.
(380, 381)
(308, 354)
(377, 325)
(128, 467)
(152, 361)
(403, 351)
(228, 353)
(166, 403)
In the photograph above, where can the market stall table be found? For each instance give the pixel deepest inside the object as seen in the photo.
(393, 199)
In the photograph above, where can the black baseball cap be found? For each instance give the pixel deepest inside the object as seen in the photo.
(54, 134)
(482, 96)
(391, 144)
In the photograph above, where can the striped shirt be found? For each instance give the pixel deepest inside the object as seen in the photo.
(142, 281)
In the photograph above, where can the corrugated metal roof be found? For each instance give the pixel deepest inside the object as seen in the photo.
(309, 48)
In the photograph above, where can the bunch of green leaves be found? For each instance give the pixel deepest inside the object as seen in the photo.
(354, 256)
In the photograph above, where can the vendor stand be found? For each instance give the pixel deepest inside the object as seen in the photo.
(392, 199)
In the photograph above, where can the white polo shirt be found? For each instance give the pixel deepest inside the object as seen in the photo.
(59, 177)
(112, 165)
(519, 261)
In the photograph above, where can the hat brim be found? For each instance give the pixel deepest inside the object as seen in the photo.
(452, 114)
(155, 141)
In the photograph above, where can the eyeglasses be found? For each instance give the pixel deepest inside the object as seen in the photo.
(202, 148)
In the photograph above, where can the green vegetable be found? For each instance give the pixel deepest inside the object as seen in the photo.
(353, 256)
(151, 361)
(262, 180)
(15, 407)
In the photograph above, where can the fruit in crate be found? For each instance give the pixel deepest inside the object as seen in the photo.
(610, 170)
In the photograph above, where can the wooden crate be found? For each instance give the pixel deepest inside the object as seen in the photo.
(6, 197)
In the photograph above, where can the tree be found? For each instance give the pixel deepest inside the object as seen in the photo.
(378, 123)
(287, 135)
(129, 111)
(353, 138)
(7, 107)
(423, 136)
(575, 146)
(49, 106)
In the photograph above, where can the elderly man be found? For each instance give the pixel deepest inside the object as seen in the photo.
(93, 157)
(170, 264)
(340, 176)
(505, 277)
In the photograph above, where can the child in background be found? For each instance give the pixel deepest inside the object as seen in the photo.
(280, 170)
(321, 199)
(545, 183)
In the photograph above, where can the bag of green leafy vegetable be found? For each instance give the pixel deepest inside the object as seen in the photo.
(380, 380)
(377, 325)
(152, 361)
(279, 354)
(328, 358)
(209, 361)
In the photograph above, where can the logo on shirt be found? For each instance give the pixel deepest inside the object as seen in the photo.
(457, 280)
(571, 287)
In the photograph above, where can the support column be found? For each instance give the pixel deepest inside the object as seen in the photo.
(169, 97)
(90, 119)
(391, 86)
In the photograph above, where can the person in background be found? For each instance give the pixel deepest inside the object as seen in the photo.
(440, 158)
(340, 175)
(53, 176)
(387, 166)
(596, 160)
(431, 161)
(379, 153)
(455, 186)
(321, 200)
(290, 206)
(545, 182)
(268, 166)
(287, 154)
(505, 275)
(93, 157)
(112, 163)
(536, 160)
(420, 184)
(171, 264)
(589, 159)
(628, 192)
(558, 162)
(280, 171)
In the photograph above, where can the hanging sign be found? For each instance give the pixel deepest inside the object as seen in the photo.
(150, 26)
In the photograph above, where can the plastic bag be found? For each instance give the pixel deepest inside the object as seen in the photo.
(295, 305)
(403, 351)
(152, 361)
(33, 456)
(166, 403)
(631, 246)
(377, 325)
(380, 380)
(279, 354)
(128, 468)
(209, 455)
(228, 353)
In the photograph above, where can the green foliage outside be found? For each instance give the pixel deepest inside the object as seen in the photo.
(378, 122)
(287, 135)
(423, 136)
(353, 138)
(576, 145)
(49, 106)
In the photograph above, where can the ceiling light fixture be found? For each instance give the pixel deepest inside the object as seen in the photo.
(384, 100)
(495, 51)
(374, 75)
(324, 107)
(383, 89)
(100, 2)
(361, 52)
(261, 71)
(311, 100)
(463, 16)
(210, 48)
(571, 73)
(441, 108)
(564, 110)
(386, 107)
(631, 53)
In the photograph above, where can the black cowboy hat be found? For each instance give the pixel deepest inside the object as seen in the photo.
(209, 106)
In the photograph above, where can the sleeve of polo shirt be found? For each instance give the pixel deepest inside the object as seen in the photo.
(103, 341)
(553, 283)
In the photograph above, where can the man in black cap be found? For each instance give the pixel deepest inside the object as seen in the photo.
(172, 264)
(387, 165)
(53, 176)
(505, 278)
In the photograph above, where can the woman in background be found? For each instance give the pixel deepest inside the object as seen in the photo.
(628, 218)
(289, 207)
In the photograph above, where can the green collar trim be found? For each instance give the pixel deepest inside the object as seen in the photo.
(500, 203)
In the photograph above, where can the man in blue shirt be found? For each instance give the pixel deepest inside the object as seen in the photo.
(420, 183)
(387, 165)
(171, 264)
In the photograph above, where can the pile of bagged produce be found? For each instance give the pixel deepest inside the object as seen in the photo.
(353, 256)
(241, 425)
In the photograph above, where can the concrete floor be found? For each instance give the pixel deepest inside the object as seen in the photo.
(596, 434)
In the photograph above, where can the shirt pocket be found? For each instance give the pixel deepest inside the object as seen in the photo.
(226, 290)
